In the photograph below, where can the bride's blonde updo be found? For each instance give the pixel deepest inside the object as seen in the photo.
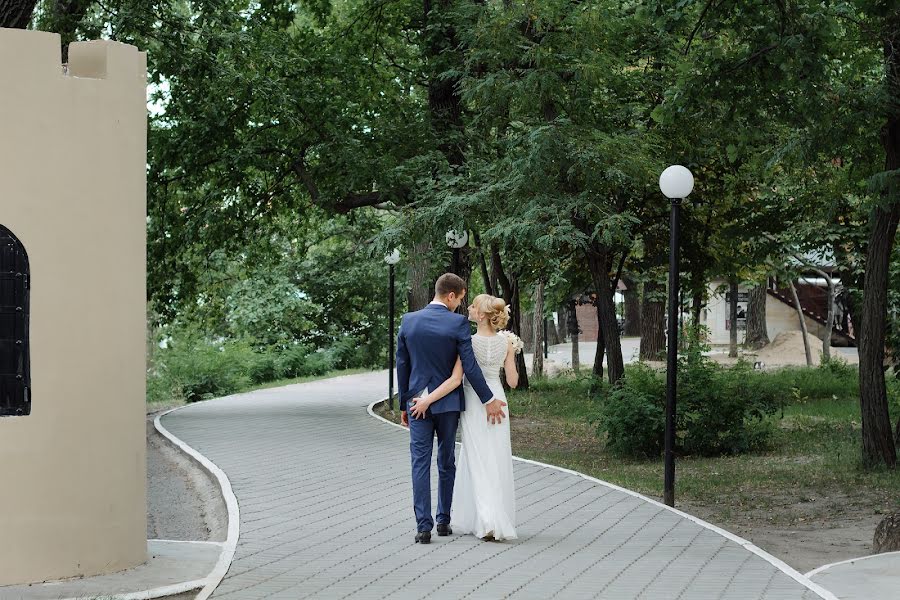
(493, 309)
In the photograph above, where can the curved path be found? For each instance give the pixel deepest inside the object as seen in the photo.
(326, 512)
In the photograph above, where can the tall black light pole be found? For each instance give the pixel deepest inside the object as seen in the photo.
(391, 259)
(676, 182)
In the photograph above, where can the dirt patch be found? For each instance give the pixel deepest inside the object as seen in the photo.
(184, 502)
(826, 535)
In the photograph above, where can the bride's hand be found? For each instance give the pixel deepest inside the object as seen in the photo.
(418, 409)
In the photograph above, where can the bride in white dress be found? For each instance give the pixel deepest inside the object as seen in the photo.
(484, 501)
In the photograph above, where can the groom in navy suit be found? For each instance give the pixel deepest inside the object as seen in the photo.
(428, 343)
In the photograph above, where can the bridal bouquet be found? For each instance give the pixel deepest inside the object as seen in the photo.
(516, 341)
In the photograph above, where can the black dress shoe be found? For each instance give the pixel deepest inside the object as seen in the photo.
(423, 537)
(444, 529)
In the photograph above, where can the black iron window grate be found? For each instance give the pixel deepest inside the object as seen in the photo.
(15, 372)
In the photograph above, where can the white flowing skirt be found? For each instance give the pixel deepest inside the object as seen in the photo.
(484, 495)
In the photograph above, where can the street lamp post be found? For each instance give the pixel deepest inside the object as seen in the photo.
(391, 259)
(676, 183)
(456, 240)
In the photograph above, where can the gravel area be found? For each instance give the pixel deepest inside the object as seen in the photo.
(183, 501)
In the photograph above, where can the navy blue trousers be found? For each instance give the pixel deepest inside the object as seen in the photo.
(421, 442)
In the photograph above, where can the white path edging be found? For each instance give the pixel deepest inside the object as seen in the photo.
(211, 581)
(852, 560)
(160, 592)
(777, 563)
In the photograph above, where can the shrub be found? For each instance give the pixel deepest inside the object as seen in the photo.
(202, 370)
(161, 388)
(632, 417)
(291, 363)
(832, 379)
(723, 410)
(720, 410)
(263, 368)
(352, 352)
(838, 367)
(318, 363)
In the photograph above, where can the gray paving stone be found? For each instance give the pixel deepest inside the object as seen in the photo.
(326, 512)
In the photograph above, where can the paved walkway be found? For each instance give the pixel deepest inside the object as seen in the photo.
(874, 577)
(326, 512)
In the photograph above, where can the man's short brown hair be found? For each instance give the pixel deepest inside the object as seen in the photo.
(449, 282)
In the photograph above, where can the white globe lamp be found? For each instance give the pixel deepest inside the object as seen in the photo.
(676, 182)
(457, 239)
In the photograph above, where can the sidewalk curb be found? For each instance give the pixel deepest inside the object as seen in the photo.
(850, 560)
(215, 577)
(748, 545)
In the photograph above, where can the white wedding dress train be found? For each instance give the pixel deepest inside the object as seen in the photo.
(484, 500)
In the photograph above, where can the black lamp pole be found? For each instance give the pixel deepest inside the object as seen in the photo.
(391, 337)
(672, 352)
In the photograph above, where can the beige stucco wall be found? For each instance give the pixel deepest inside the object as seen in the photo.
(73, 189)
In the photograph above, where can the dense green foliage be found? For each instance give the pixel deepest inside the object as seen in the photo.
(292, 144)
(721, 410)
(191, 367)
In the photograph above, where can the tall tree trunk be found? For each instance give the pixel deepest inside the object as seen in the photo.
(696, 306)
(878, 442)
(489, 285)
(16, 14)
(732, 317)
(598, 264)
(508, 288)
(527, 333)
(444, 102)
(537, 362)
(420, 288)
(464, 270)
(632, 307)
(600, 350)
(878, 439)
(653, 325)
(802, 319)
(574, 330)
(757, 331)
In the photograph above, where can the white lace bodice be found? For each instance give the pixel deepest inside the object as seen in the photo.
(490, 352)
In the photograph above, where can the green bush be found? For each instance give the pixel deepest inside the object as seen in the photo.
(161, 388)
(354, 352)
(201, 370)
(318, 363)
(839, 368)
(719, 410)
(291, 363)
(723, 410)
(263, 368)
(831, 379)
(632, 416)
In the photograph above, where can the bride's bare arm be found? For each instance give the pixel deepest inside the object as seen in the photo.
(452, 382)
(509, 366)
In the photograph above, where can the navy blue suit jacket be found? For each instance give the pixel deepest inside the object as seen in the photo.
(428, 343)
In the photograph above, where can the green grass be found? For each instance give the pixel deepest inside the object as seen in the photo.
(812, 465)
